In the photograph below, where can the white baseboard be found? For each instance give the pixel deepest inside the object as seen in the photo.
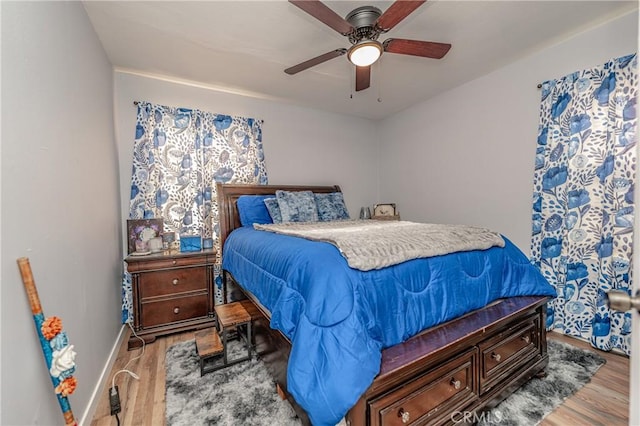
(88, 414)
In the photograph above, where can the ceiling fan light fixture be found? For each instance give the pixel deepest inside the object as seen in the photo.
(365, 53)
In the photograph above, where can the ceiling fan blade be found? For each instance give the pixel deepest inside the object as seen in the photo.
(426, 49)
(396, 13)
(315, 61)
(363, 77)
(323, 14)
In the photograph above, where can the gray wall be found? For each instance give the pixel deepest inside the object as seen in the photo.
(466, 156)
(60, 202)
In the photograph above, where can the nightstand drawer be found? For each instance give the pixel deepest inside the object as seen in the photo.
(424, 399)
(173, 310)
(172, 281)
(141, 264)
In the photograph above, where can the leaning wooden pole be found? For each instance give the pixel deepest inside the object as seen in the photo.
(58, 354)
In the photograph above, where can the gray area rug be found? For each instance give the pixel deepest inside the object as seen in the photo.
(242, 394)
(245, 394)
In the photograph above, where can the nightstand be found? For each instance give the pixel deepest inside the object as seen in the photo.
(394, 217)
(172, 292)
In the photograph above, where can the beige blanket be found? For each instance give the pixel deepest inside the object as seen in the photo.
(372, 244)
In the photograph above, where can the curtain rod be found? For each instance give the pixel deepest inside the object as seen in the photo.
(135, 103)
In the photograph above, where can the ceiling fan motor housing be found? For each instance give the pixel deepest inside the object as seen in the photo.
(363, 20)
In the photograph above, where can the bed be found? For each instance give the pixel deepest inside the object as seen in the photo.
(368, 349)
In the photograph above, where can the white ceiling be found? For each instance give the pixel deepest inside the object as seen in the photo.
(243, 46)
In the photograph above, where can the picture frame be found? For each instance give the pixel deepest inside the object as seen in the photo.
(140, 231)
(384, 209)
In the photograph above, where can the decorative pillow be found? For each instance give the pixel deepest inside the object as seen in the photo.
(298, 206)
(331, 207)
(251, 209)
(274, 209)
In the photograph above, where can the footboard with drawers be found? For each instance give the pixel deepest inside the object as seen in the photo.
(447, 373)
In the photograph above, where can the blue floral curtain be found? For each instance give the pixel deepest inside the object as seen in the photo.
(583, 199)
(179, 154)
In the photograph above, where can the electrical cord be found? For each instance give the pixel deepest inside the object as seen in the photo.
(124, 369)
(114, 397)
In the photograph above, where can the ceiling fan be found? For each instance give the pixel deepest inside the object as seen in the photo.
(363, 26)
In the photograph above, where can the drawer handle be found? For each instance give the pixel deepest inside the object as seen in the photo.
(496, 356)
(404, 415)
(175, 261)
(455, 383)
(176, 310)
(175, 281)
(526, 338)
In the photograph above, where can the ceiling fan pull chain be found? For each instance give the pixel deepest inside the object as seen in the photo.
(378, 73)
(351, 85)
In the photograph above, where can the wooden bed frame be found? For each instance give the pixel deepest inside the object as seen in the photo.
(447, 374)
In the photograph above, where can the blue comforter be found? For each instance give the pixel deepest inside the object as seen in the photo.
(339, 319)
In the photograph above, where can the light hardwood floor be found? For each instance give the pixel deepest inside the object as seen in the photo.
(603, 401)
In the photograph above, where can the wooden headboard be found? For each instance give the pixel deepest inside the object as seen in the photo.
(228, 194)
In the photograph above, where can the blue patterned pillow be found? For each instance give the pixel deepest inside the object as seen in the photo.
(274, 209)
(251, 209)
(298, 206)
(331, 207)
